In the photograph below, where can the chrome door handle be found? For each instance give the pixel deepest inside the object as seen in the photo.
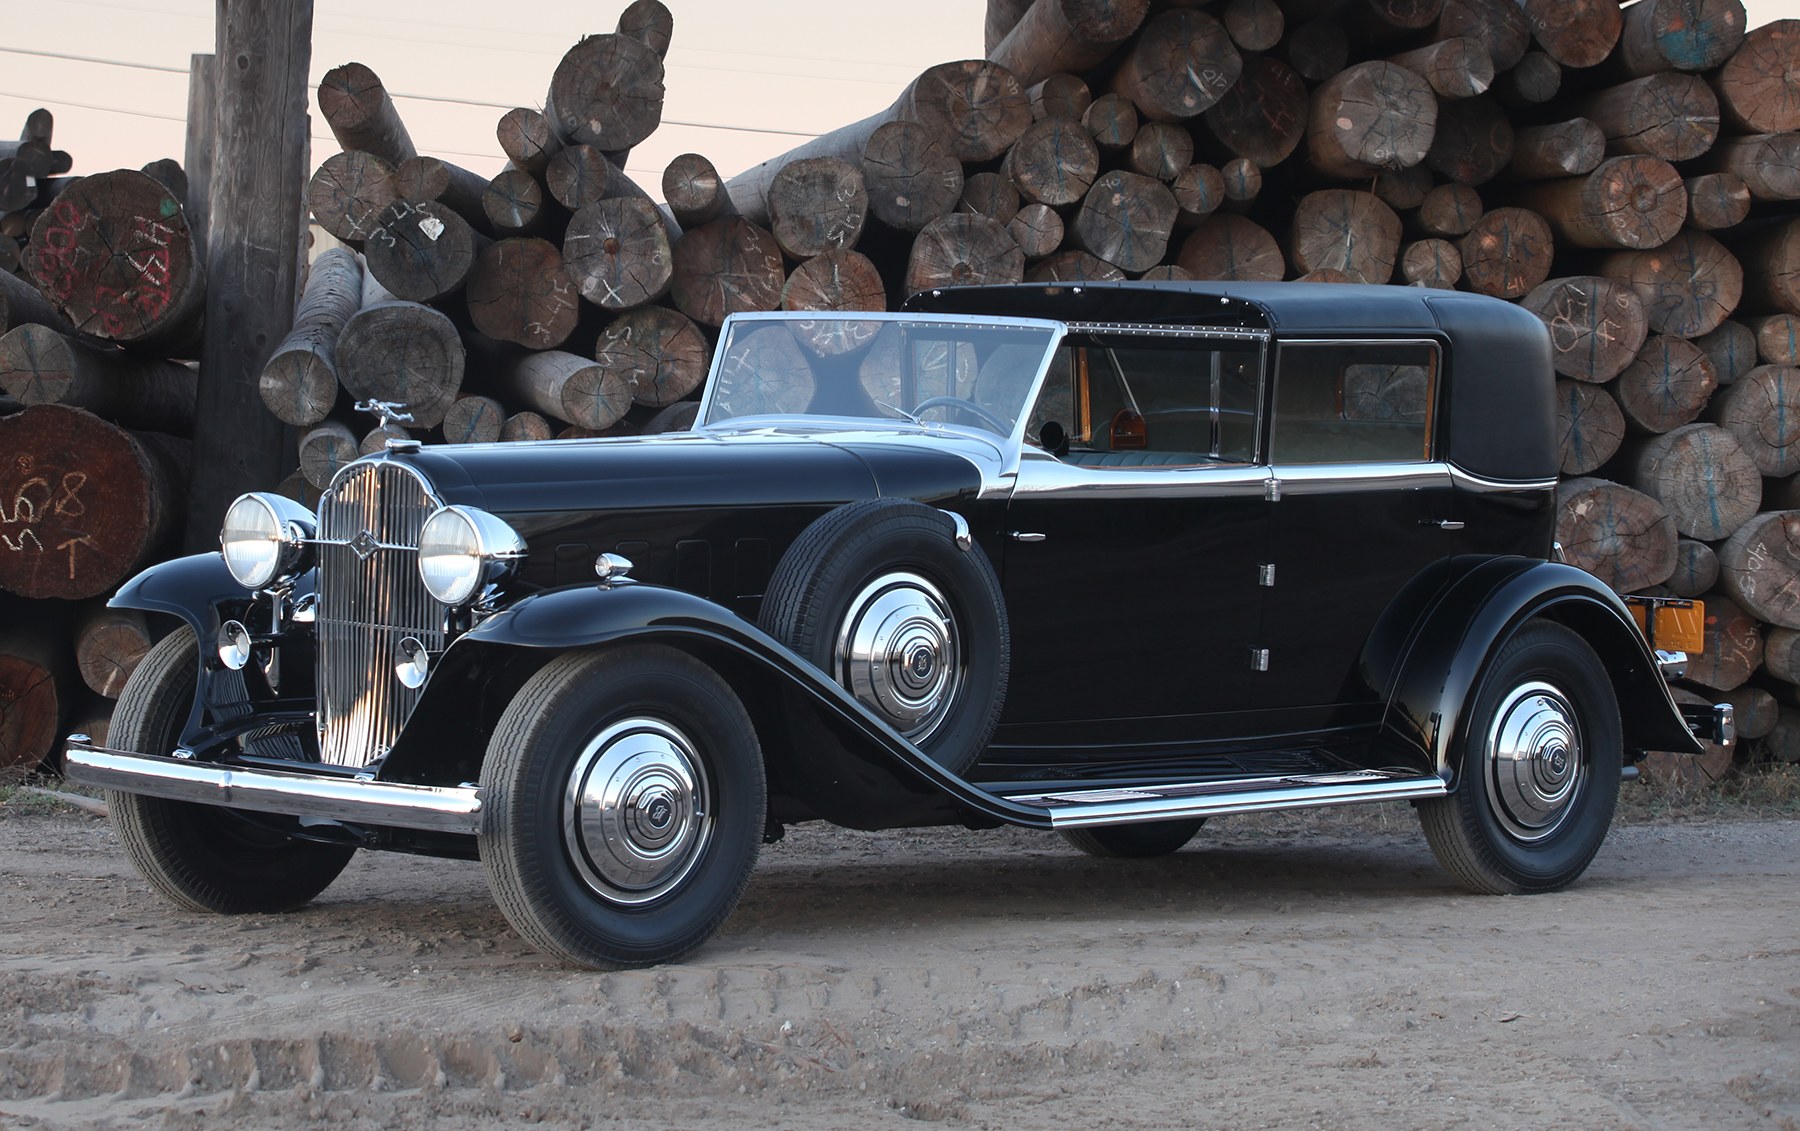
(1442, 523)
(1022, 536)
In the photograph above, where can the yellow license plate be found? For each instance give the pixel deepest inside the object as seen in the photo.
(1671, 625)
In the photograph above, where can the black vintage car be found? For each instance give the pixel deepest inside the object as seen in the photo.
(1103, 559)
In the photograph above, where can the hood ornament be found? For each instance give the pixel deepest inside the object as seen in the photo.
(386, 412)
(391, 414)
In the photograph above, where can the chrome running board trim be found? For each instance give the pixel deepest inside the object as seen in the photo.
(1077, 808)
(449, 809)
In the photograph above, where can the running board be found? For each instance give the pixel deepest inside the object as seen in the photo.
(1124, 806)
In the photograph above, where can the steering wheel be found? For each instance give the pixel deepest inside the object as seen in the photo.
(970, 407)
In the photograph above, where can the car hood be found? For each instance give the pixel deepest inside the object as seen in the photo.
(687, 470)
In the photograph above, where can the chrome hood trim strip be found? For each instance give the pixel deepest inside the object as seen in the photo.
(446, 809)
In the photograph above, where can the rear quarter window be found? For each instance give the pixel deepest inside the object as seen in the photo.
(1338, 402)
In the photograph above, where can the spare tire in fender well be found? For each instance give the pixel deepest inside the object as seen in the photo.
(882, 597)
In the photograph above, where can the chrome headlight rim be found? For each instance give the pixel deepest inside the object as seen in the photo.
(284, 526)
(490, 550)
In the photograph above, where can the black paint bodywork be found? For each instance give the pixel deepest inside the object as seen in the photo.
(1132, 621)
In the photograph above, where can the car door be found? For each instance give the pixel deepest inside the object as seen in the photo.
(1135, 533)
(1361, 508)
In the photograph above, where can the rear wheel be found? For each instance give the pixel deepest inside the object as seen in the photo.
(1153, 838)
(1540, 769)
(201, 856)
(623, 806)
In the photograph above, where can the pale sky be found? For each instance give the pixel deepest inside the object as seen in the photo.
(767, 71)
(801, 66)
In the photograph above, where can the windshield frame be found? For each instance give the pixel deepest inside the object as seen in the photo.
(1015, 438)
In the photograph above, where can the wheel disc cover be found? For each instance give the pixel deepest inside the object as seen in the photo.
(637, 813)
(1535, 762)
(899, 655)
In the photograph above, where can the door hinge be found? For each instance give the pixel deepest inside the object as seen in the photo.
(1265, 575)
(1259, 659)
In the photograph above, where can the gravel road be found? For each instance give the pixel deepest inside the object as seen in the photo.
(1293, 971)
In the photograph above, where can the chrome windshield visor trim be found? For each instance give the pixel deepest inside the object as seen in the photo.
(1046, 475)
(1163, 330)
(447, 809)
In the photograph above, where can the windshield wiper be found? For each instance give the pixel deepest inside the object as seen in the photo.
(901, 411)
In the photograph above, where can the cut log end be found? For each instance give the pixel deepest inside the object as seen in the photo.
(657, 356)
(90, 503)
(1623, 537)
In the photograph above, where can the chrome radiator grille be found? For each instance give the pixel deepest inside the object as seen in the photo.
(370, 598)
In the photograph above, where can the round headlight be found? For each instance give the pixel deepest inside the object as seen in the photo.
(264, 539)
(462, 549)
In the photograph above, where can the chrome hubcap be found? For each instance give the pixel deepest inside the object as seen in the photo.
(1535, 764)
(636, 814)
(898, 653)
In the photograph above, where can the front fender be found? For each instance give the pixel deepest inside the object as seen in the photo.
(1434, 685)
(876, 771)
(201, 591)
(193, 588)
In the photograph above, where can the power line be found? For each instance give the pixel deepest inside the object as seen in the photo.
(90, 106)
(171, 118)
(445, 99)
(555, 37)
(93, 59)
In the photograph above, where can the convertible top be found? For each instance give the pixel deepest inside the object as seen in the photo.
(1501, 408)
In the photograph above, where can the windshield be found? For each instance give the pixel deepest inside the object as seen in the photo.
(972, 372)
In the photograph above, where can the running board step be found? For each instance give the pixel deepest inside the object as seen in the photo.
(1123, 806)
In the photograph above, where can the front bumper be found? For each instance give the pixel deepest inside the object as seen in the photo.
(448, 809)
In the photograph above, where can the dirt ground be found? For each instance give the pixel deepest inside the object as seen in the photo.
(1315, 971)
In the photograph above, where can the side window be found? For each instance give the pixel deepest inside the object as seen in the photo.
(1135, 402)
(1354, 403)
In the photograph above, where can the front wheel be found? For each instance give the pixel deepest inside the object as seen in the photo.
(202, 857)
(623, 806)
(1540, 770)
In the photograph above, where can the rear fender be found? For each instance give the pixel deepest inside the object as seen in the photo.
(874, 779)
(1434, 684)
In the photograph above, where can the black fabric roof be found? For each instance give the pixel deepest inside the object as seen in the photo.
(1501, 409)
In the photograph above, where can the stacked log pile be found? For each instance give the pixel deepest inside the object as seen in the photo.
(32, 172)
(545, 301)
(1629, 175)
(100, 290)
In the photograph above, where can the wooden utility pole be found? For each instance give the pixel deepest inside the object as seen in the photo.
(203, 103)
(256, 229)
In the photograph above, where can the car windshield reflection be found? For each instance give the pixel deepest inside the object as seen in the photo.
(973, 373)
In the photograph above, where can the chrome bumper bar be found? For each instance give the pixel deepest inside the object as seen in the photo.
(448, 809)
